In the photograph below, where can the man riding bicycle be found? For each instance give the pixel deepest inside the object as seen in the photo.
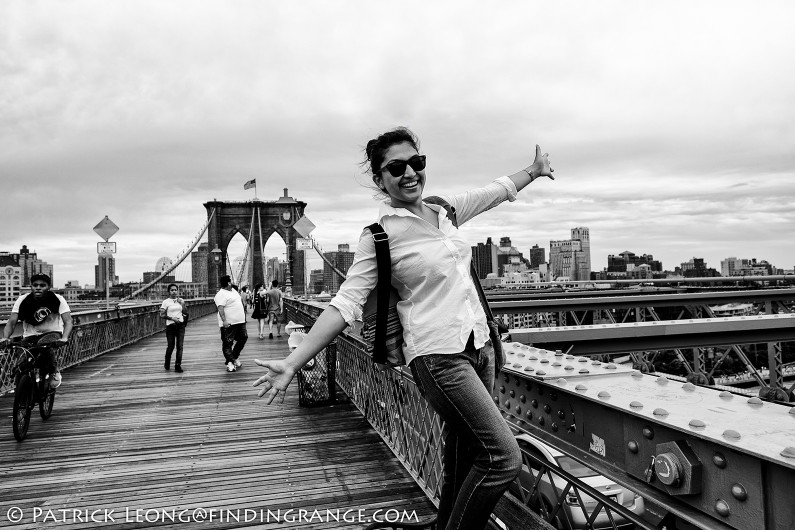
(41, 311)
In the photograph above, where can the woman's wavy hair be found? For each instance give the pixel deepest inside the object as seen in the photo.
(377, 148)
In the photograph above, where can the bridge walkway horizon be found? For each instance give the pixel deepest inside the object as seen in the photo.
(126, 435)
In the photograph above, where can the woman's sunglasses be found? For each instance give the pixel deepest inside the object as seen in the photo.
(397, 168)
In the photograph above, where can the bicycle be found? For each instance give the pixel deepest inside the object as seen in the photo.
(31, 387)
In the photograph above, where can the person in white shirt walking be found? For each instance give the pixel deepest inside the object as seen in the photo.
(446, 337)
(172, 310)
(232, 321)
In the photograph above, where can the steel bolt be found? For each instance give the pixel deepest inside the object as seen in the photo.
(739, 492)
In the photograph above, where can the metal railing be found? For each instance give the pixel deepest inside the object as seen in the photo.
(392, 404)
(98, 332)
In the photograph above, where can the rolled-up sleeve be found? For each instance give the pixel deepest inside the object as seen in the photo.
(360, 281)
(479, 200)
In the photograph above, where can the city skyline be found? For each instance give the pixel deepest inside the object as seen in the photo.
(668, 134)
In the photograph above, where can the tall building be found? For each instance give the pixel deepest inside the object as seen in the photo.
(342, 259)
(571, 258)
(105, 271)
(484, 256)
(316, 281)
(298, 273)
(538, 255)
(10, 279)
(198, 263)
(31, 264)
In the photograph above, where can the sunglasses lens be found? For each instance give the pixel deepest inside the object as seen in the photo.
(396, 168)
(417, 162)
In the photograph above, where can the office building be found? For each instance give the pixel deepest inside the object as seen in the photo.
(10, 279)
(198, 263)
(105, 272)
(341, 259)
(484, 257)
(538, 255)
(31, 264)
(570, 259)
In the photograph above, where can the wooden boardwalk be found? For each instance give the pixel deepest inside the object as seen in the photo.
(136, 446)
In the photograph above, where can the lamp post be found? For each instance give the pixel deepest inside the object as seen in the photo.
(217, 254)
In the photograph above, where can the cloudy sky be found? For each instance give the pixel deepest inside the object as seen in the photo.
(670, 125)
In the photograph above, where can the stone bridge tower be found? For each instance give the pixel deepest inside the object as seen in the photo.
(256, 221)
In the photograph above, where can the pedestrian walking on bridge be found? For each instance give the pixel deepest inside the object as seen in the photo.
(232, 321)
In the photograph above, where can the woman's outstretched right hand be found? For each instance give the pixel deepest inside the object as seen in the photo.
(275, 381)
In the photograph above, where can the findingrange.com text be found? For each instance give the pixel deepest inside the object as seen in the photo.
(16, 514)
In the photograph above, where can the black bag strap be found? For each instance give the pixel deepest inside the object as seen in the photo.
(383, 261)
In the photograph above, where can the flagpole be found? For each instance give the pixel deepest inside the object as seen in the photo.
(255, 189)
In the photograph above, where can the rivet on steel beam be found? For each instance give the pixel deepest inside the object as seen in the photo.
(507, 404)
(562, 414)
(554, 427)
(544, 361)
(662, 380)
(788, 452)
(722, 508)
(502, 390)
(792, 411)
(697, 424)
(739, 492)
(581, 387)
(507, 379)
(528, 368)
(532, 358)
(689, 387)
(516, 365)
(755, 401)
(596, 363)
(496, 400)
(529, 415)
(511, 352)
(522, 398)
(636, 405)
(541, 420)
(582, 359)
(648, 433)
(583, 371)
(568, 367)
(636, 373)
(518, 409)
(725, 395)
(512, 393)
(541, 372)
(561, 381)
(611, 366)
(731, 434)
(604, 394)
(534, 403)
(547, 408)
(660, 412)
(719, 460)
(556, 364)
(558, 353)
(632, 445)
(570, 357)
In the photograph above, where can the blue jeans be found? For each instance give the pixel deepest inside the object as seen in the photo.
(233, 339)
(481, 456)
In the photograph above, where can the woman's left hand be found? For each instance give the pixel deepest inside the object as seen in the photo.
(540, 166)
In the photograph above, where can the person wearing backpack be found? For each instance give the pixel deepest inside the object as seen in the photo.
(445, 329)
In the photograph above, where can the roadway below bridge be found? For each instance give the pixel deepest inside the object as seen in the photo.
(129, 439)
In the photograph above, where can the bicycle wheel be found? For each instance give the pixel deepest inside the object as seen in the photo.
(48, 398)
(23, 395)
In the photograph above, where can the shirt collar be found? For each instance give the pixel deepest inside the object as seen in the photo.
(387, 209)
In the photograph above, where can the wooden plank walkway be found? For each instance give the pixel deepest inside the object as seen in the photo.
(128, 436)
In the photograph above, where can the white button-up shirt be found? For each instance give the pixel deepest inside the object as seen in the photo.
(439, 305)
